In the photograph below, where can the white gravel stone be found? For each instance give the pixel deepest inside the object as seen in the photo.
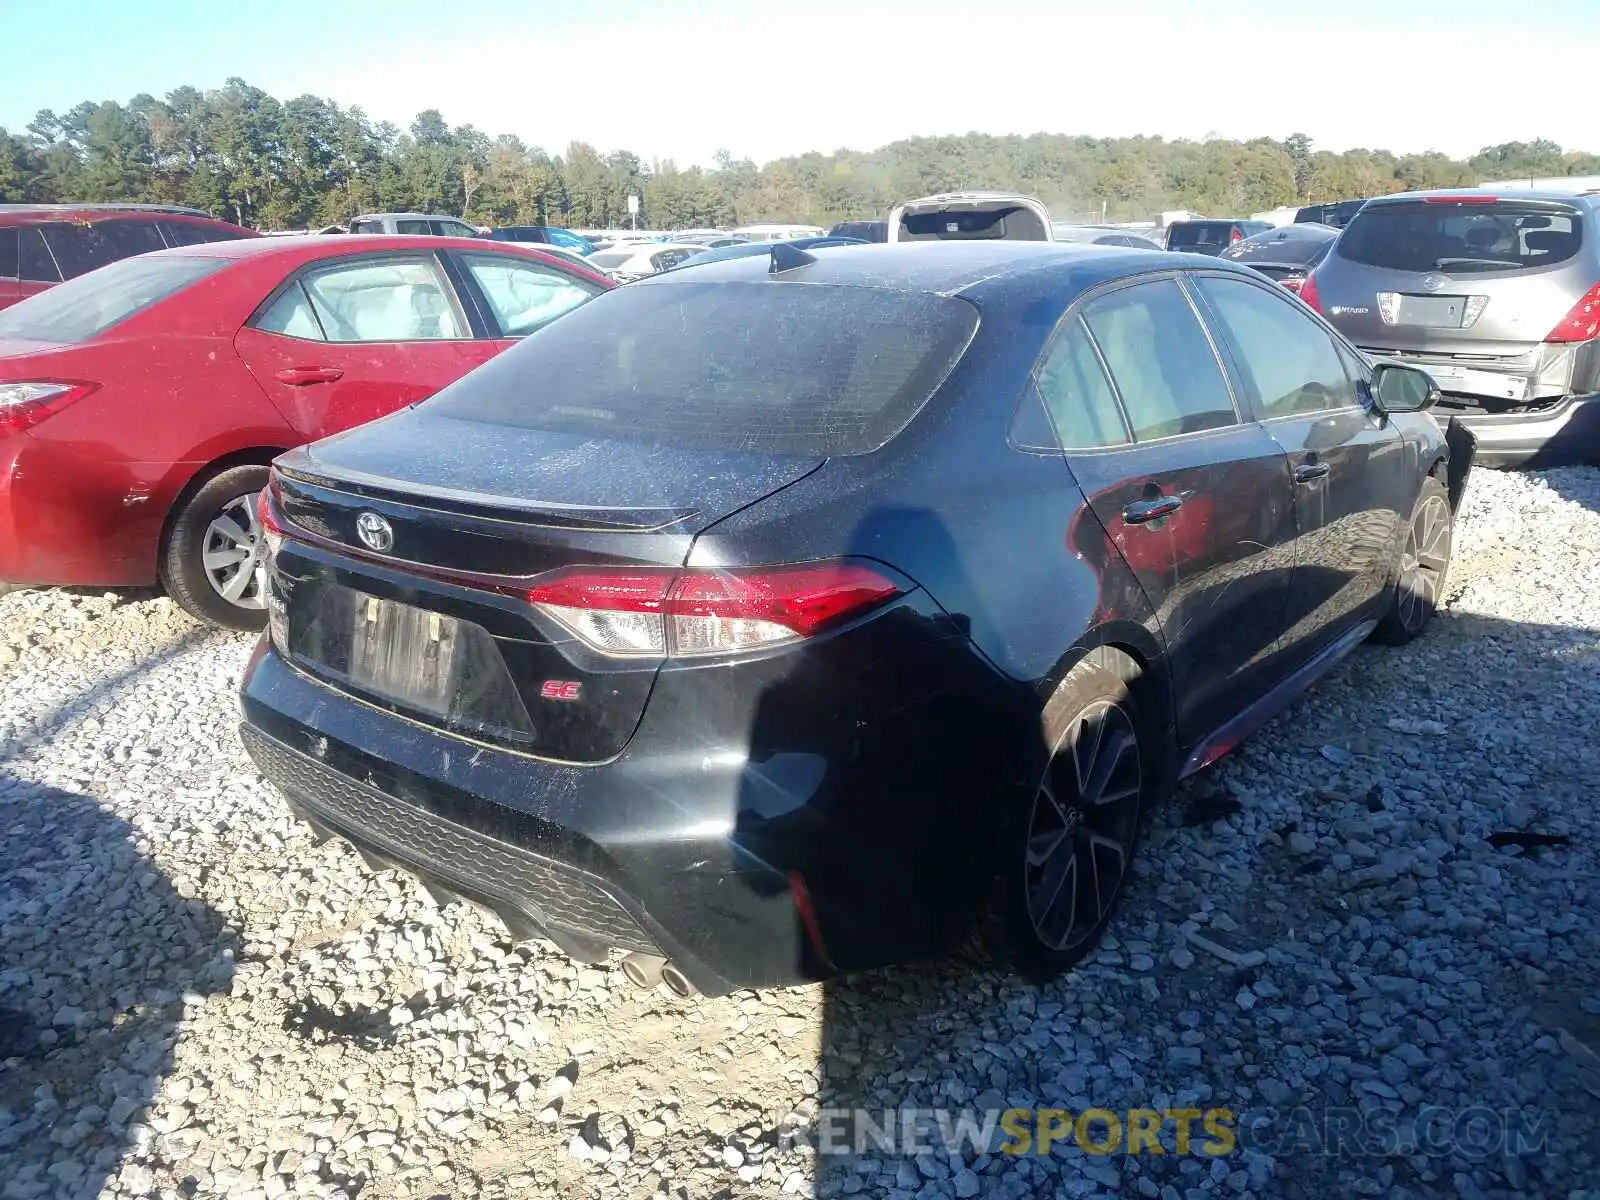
(207, 1003)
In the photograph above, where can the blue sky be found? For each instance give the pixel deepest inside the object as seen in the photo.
(681, 78)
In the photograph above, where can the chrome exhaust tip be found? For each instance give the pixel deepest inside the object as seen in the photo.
(677, 982)
(643, 970)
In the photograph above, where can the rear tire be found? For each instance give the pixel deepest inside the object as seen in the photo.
(1066, 849)
(1424, 566)
(212, 550)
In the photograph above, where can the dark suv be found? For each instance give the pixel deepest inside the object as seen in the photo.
(43, 244)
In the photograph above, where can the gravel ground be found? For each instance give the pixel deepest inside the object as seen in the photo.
(1383, 903)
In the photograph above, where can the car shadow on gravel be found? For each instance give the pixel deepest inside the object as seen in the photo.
(99, 956)
(1368, 938)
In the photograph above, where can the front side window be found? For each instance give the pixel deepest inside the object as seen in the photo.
(453, 229)
(192, 233)
(1287, 358)
(391, 300)
(523, 296)
(1161, 361)
(82, 308)
(411, 227)
(1077, 394)
(79, 249)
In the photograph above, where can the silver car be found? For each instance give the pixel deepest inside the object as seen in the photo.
(1497, 296)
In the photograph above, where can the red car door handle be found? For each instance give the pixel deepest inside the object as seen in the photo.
(1141, 511)
(301, 376)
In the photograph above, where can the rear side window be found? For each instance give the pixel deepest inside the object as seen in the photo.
(1161, 361)
(8, 253)
(1286, 356)
(291, 315)
(390, 300)
(814, 369)
(87, 306)
(33, 257)
(411, 227)
(1462, 239)
(82, 248)
(1077, 394)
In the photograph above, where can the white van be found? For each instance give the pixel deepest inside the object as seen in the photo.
(971, 216)
(778, 233)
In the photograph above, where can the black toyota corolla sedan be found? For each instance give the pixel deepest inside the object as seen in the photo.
(797, 614)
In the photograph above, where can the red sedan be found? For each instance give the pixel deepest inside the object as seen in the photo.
(141, 403)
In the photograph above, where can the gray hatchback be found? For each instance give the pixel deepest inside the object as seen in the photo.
(1496, 295)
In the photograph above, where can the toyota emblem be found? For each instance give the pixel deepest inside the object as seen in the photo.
(1433, 283)
(375, 532)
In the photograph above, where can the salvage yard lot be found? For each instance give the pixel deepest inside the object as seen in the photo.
(197, 999)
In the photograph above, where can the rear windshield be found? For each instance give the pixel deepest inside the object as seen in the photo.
(611, 258)
(1288, 245)
(81, 248)
(1462, 239)
(1199, 233)
(84, 307)
(815, 369)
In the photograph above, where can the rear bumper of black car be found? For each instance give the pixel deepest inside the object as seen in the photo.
(758, 830)
(1561, 432)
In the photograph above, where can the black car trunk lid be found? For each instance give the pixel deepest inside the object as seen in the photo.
(411, 545)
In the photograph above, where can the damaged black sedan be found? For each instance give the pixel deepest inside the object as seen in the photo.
(795, 614)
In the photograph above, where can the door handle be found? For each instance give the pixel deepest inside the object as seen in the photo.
(301, 376)
(1307, 471)
(1141, 511)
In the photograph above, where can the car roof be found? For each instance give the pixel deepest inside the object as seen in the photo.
(944, 268)
(1583, 198)
(410, 216)
(310, 246)
(57, 212)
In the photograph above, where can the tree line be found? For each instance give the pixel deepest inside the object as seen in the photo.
(308, 162)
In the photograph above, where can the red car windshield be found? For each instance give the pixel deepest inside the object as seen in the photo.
(87, 306)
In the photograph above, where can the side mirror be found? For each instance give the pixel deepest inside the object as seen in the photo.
(1398, 388)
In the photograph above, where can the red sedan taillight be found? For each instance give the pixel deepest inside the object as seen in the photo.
(23, 405)
(660, 612)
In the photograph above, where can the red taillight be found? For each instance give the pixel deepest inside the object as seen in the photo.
(1307, 291)
(1582, 324)
(1293, 283)
(23, 405)
(1461, 199)
(1235, 236)
(661, 612)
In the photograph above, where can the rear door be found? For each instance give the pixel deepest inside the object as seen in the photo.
(1194, 494)
(1457, 276)
(1352, 479)
(349, 340)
